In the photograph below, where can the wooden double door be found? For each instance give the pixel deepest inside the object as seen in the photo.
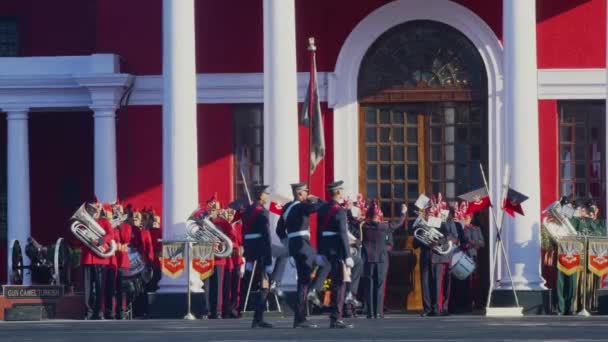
(411, 148)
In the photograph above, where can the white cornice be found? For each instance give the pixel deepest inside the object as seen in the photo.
(221, 88)
(571, 84)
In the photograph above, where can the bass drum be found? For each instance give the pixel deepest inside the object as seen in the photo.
(462, 265)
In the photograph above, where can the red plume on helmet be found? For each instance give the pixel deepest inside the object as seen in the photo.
(373, 210)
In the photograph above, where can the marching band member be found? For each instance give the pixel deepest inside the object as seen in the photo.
(216, 281)
(434, 268)
(93, 266)
(123, 234)
(156, 233)
(231, 269)
(473, 240)
(294, 226)
(256, 243)
(375, 256)
(238, 262)
(110, 285)
(334, 250)
(354, 228)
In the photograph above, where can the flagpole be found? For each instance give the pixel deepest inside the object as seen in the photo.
(311, 48)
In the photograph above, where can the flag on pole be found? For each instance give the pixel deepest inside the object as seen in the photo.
(512, 203)
(477, 199)
(311, 111)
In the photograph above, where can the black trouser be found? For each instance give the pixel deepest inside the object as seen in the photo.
(110, 290)
(355, 275)
(375, 274)
(123, 298)
(281, 255)
(93, 285)
(435, 279)
(231, 291)
(304, 263)
(215, 291)
(259, 274)
(337, 287)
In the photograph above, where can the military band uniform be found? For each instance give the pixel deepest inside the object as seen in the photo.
(375, 258)
(123, 233)
(434, 272)
(333, 245)
(93, 267)
(256, 243)
(294, 226)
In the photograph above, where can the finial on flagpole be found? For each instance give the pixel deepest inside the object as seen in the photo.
(311, 44)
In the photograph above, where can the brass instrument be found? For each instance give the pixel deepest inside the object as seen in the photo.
(88, 231)
(431, 236)
(201, 229)
(561, 227)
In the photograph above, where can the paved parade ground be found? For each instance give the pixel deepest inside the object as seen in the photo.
(398, 327)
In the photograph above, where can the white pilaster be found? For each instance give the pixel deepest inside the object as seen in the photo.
(105, 183)
(18, 192)
(180, 164)
(281, 162)
(522, 234)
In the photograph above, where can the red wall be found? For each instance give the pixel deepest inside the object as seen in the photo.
(571, 33)
(549, 151)
(59, 27)
(61, 170)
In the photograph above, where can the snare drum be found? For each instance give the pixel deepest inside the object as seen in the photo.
(462, 265)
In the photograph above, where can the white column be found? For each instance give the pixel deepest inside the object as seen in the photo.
(18, 192)
(522, 234)
(281, 162)
(105, 153)
(180, 163)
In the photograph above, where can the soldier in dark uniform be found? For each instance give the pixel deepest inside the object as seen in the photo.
(375, 256)
(294, 226)
(334, 249)
(352, 287)
(434, 268)
(256, 243)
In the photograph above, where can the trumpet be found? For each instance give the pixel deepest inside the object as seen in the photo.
(561, 227)
(88, 231)
(201, 229)
(431, 236)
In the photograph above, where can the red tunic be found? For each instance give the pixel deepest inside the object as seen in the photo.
(143, 243)
(124, 237)
(225, 227)
(237, 258)
(87, 257)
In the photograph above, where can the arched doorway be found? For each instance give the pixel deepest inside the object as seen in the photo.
(422, 93)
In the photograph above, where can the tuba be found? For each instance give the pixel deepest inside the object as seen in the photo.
(201, 229)
(562, 227)
(88, 231)
(431, 236)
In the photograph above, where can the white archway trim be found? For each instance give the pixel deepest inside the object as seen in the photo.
(343, 83)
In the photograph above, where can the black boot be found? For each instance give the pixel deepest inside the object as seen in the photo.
(304, 324)
(261, 324)
(339, 324)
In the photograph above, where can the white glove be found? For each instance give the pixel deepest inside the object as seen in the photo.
(403, 209)
(349, 262)
(320, 260)
(241, 270)
(248, 266)
(269, 269)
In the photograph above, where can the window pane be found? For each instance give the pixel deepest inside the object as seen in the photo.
(580, 171)
(398, 134)
(567, 189)
(385, 172)
(385, 190)
(385, 135)
(412, 154)
(566, 134)
(412, 190)
(412, 135)
(412, 172)
(398, 153)
(385, 153)
(371, 153)
(370, 134)
(399, 189)
(9, 35)
(372, 172)
(412, 118)
(386, 208)
(370, 116)
(372, 190)
(436, 134)
(567, 170)
(399, 172)
(566, 152)
(384, 117)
